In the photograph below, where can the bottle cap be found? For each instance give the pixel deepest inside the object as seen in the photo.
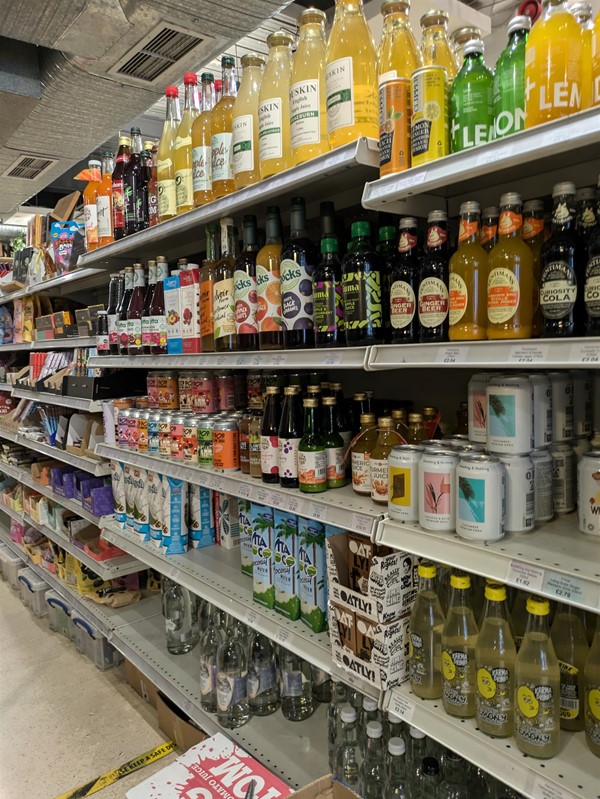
(348, 714)
(415, 733)
(434, 17)
(190, 78)
(463, 35)
(312, 15)
(437, 216)
(385, 423)
(329, 401)
(469, 207)
(407, 222)
(101, 313)
(227, 61)
(329, 245)
(311, 402)
(272, 390)
(529, 206)
(374, 729)
(496, 593)
(94, 163)
(588, 192)
(394, 718)
(521, 23)
(280, 38)
(453, 756)
(430, 767)
(249, 220)
(473, 46)
(395, 6)
(581, 11)
(387, 233)
(367, 418)
(430, 412)
(537, 606)
(491, 210)
(172, 91)
(360, 395)
(136, 132)
(562, 189)
(427, 570)
(252, 60)
(314, 388)
(460, 581)
(510, 198)
(360, 229)
(207, 76)
(396, 746)
(369, 704)
(415, 417)
(126, 139)
(289, 391)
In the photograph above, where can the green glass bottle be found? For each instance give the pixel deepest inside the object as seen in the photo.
(312, 458)
(509, 80)
(334, 445)
(362, 287)
(472, 101)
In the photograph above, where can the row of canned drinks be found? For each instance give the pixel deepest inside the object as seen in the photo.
(481, 496)
(201, 391)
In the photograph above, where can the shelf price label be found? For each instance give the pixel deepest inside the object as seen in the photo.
(252, 618)
(452, 355)
(528, 353)
(243, 360)
(361, 523)
(495, 154)
(284, 636)
(262, 496)
(402, 706)
(585, 352)
(188, 707)
(278, 360)
(333, 359)
(244, 491)
(525, 576)
(292, 504)
(318, 511)
(544, 789)
(571, 589)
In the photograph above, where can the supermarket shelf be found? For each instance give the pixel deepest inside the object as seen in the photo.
(52, 344)
(338, 358)
(62, 284)
(573, 774)
(296, 752)
(556, 560)
(95, 467)
(79, 403)
(340, 507)
(17, 515)
(6, 387)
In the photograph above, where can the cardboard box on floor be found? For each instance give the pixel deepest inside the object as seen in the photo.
(321, 786)
(175, 724)
(141, 684)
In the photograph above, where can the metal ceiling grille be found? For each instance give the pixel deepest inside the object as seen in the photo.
(157, 55)
(28, 167)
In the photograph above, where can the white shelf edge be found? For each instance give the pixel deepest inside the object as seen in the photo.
(59, 281)
(53, 344)
(79, 403)
(94, 467)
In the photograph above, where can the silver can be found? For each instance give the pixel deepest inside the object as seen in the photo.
(456, 441)
(509, 415)
(190, 438)
(542, 479)
(468, 448)
(563, 472)
(520, 493)
(123, 428)
(153, 437)
(403, 482)
(562, 406)
(588, 493)
(437, 492)
(582, 403)
(477, 407)
(542, 403)
(480, 497)
(164, 434)
(205, 440)
(185, 382)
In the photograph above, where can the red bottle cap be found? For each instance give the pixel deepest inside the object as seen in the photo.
(531, 9)
(172, 91)
(218, 85)
(190, 78)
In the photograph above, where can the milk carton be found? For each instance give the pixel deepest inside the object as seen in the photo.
(141, 510)
(174, 522)
(201, 517)
(117, 479)
(313, 573)
(155, 507)
(262, 554)
(227, 527)
(245, 523)
(285, 569)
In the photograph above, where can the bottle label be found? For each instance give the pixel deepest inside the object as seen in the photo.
(328, 302)
(183, 187)
(243, 144)
(335, 463)
(206, 308)
(90, 215)
(270, 138)
(113, 335)
(222, 157)
(102, 343)
(416, 665)
(122, 334)
(268, 288)
(201, 169)
(261, 679)
(361, 473)
(467, 229)
(400, 486)
(146, 331)
(296, 295)
(269, 454)
(458, 298)
(230, 690)
(305, 113)
(436, 236)
(569, 691)
(378, 468)
(394, 123)
(339, 85)
(558, 291)
(488, 233)
(472, 135)
(158, 331)
(407, 241)
(403, 304)
(509, 222)
(592, 287)
(291, 683)
(592, 712)
(134, 333)
(245, 298)
(208, 678)
(495, 694)
(118, 203)
(503, 295)
(532, 227)
(458, 680)
(167, 204)
(312, 467)
(288, 457)
(224, 309)
(535, 720)
(433, 302)
(103, 211)
(362, 300)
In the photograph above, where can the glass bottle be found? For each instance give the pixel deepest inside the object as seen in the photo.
(152, 187)
(207, 283)
(537, 686)
(373, 767)
(430, 776)
(274, 106)
(298, 259)
(296, 687)
(101, 329)
(144, 195)
(416, 751)
(328, 298)
(181, 621)
(131, 185)
(122, 310)
(268, 284)
(404, 278)
(182, 150)
(334, 445)
(586, 219)
(135, 310)
(90, 212)
(350, 76)
(359, 405)
(116, 287)
(339, 698)
(232, 670)
(397, 785)
(435, 45)
(361, 454)
(489, 227)
(459, 636)
(165, 165)
(158, 319)
(453, 785)
(509, 80)
(347, 758)
(582, 12)
(244, 287)
(431, 417)
(289, 436)
(461, 36)
(462, 420)
(223, 292)
(146, 347)
(472, 101)
(263, 682)
(254, 440)
(321, 685)
(571, 647)
(378, 461)
(433, 281)
(387, 249)
(362, 289)
(221, 128)
(510, 281)
(201, 144)
(209, 646)
(468, 280)
(269, 431)
(533, 235)
(519, 617)
(246, 170)
(425, 630)
(343, 422)
(592, 693)
(118, 198)
(312, 458)
(416, 429)
(104, 201)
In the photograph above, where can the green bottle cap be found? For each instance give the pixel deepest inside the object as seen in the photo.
(329, 245)
(387, 233)
(360, 229)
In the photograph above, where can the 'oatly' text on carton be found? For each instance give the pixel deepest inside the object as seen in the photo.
(189, 300)
(173, 314)
(263, 590)
(155, 507)
(245, 522)
(286, 570)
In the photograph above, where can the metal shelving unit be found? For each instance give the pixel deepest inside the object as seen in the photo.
(62, 284)
(91, 465)
(79, 403)
(52, 344)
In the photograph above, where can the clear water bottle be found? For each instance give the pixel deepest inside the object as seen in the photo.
(321, 685)
(480, 783)
(296, 687)
(210, 642)
(165, 583)
(181, 620)
(373, 768)
(429, 778)
(339, 698)
(416, 751)
(347, 757)
(397, 785)
(370, 712)
(395, 727)
(355, 698)
(263, 681)
(454, 785)
(205, 610)
(232, 671)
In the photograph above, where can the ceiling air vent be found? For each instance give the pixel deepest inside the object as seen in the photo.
(158, 54)
(28, 167)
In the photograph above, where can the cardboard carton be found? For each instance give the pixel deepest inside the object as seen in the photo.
(141, 684)
(176, 725)
(323, 784)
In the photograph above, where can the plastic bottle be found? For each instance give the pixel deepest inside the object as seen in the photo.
(182, 155)
(369, 711)
(262, 681)
(404, 281)
(232, 671)
(350, 76)
(459, 636)
(334, 445)
(378, 462)
(373, 767)
(207, 282)
(571, 647)
(361, 454)
(328, 298)
(416, 751)
(533, 235)
(435, 45)
(268, 284)
(397, 784)
(165, 166)
(430, 777)
(425, 630)
(201, 143)
(210, 642)
(433, 281)
(289, 436)
(312, 458)
(221, 128)
(104, 201)
(90, 212)
(339, 697)
(269, 442)
(347, 758)
(296, 687)
(537, 686)
(244, 287)
(298, 260)
(468, 279)
(181, 621)
(472, 101)
(246, 170)
(362, 289)
(509, 80)
(596, 61)
(592, 693)
(223, 292)
(274, 106)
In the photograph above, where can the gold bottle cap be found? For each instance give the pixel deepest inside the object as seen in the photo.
(395, 7)
(311, 16)
(367, 419)
(460, 581)
(427, 570)
(434, 17)
(415, 417)
(280, 39)
(252, 60)
(385, 423)
(329, 401)
(311, 402)
(272, 390)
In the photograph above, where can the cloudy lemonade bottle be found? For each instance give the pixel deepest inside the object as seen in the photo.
(245, 122)
(274, 106)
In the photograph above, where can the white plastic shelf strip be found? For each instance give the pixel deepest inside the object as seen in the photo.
(79, 403)
(60, 282)
(51, 344)
(91, 465)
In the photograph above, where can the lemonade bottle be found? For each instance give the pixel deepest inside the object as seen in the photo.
(509, 80)
(165, 167)
(571, 647)
(351, 76)
(274, 106)
(397, 59)
(425, 630)
(201, 144)
(533, 235)
(459, 637)
(596, 61)
(537, 686)
(468, 280)
(519, 617)
(592, 694)
(245, 122)
(583, 14)
(495, 656)
(553, 65)
(472, 101)
(184, 196)
(435, 45)
(221, 127)
(308, 110)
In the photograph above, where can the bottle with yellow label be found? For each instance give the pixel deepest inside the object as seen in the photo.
(274, 106)
(592, 693)
(495, 656)
(308, 110)
(425, 632)
(201, 144)
(361, 454)
(165, 165)
(435, 44)
(468, 280)
(459, 637)
(571, 647)
(519, 617)
(183, 145)
(533, 234)
(537, 686)
(351, 76)
(221, 126)
(246, 171)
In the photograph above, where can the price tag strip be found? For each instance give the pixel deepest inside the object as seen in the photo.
(450, 355)
(528, 353)
(587, 352)
(562, 587)
(525, 576)
(402, 706)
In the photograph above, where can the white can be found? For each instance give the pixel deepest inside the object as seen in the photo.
(509, 415)
(596, 401)
(588, 493)
(403, 482)
(582, 403)
(542, 409)
(542, 478)
(480, 494)
(563, 472)
(477, 407)
(468, 448)
(562, 406)
(520, 494)
(437, 492)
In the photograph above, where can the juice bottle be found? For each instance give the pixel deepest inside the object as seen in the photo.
(221, 128)
(582, 12)
(495, 656)
(328, 299)
(537, 686)
(104, 201)
(472, 101)
(519, 617)
(244, 287)
(397, 59)
(362, 288)
(223, 296)
(201, 144)
(144, 199)
(489, 227)
(274, 106)
(378, 463)
(587, 217)
(152, 188)
(90, 212)
(592, 693)
(459, 636)
(425, 631)
(435, 45)
(268, 285)
(533, 235)
(415, 432)
(118, 200)
(433, 281)
(135, 310)
(510, 281)
(312, 458)
(298, 260)
(596, 61)
(361, 454)
(146, 316)
(158, 320)
(182, 155)
(165, 167)
(334, 445)
(132, 186)
(289, 434)
(468, 279)
(571, 647)
(553, 65)
(350, 76)
(269, 432)
(308, 110)
(460, 37)
(207, 283)
(246, 170)
(509, 80)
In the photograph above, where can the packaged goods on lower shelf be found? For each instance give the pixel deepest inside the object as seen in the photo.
(33, 591)
(11, 564)
(91, 643)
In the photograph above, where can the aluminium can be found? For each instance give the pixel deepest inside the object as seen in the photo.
(403, 482)
(563, 475)
(152, 390)
(153, 437)
(185, 382)
(176, 435)
(226, 445)
(542, 404)
(225, 386)
(588, 493)
(142, 431)
(582, 403)
(205, 440)
(596, 401)
(581, 446)
(164, 434)
(542, 479)
(123, 428)
(437, 494)
(204, 392)
(520, 493)
(132, 430)
(190, 438)
(168, 391)
(562, 406)
(429, 137)
(468, 449)
(509, 415)
(477, 407)
(480, 497)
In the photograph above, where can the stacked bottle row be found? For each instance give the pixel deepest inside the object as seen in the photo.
(515, 678)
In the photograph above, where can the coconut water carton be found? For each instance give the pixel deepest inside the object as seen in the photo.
(117, 479)
(201, 517)
(262, 554)
(285, 569)
(312, 563)
(245, 525)
(175, 515)
(155, 507)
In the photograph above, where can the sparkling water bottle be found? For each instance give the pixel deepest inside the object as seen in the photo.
(347, 758)
(429, 778)
(417, 750)
(209, 646)
(397, 785)
(181, 620)
(296, 687)
(373, 768)
(395, 727)
(321, 684)
(232, 671)
(370, 712)
(263, 682)
(454, 785)
(339, 697)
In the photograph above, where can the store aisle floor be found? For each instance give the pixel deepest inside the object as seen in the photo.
(62, 720)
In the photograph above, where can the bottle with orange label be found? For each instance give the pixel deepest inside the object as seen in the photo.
(533, 234)
(90, 213)
(489, 228)
(468, 280)
(510, 281)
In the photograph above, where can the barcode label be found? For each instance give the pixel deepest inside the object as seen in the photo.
(569, 704)
(529, 502)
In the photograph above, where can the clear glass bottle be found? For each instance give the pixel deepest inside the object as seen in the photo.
(459, 636)
(347, 758)
(425, 630)
(181, 619)
(104, 201)
(339, 698)
(210, 642)
(274, 106)
(592, 693)
(334, 445)
(232, 670)
(165, 164)
(225, 337)
(416, 751)
(397, 785)
(207, 283)
(454, 785)
(361, 454)
(183, 157)
(468, 280)
(321, 685)
(373, 767)
(571, 647)
(435, 45)
(246, 170)
(297, 701)
(201, 144)
(262, 682)
(221, 127)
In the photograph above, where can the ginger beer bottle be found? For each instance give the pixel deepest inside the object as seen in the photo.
(245, 122)
(274, 106)
(459, 636)
(308, 111)
(184, 196)
(468, 280)
(201, 144)
(351, 76)
(571, 647)
(435, 45)
(165, 166)
(425, 648)
(537, 686)
(221, 126)
(592, 694)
